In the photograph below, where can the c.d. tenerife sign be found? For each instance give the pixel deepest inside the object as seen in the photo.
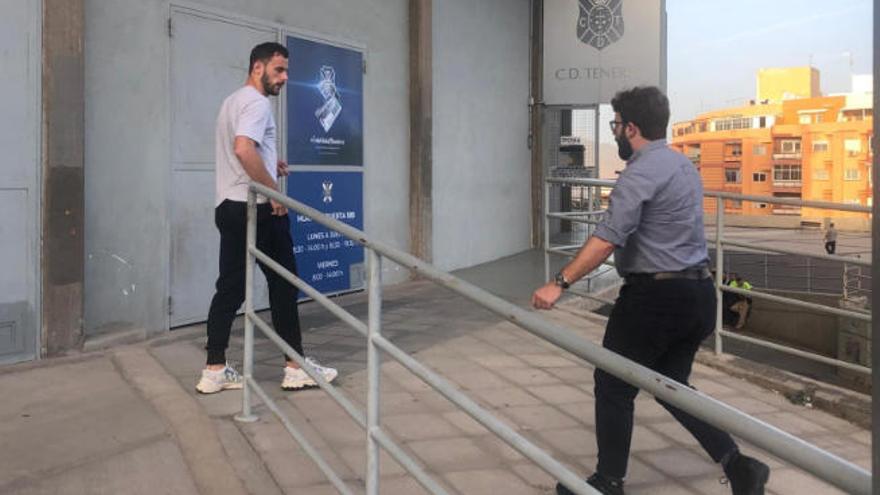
(594, 48)
(600, 22)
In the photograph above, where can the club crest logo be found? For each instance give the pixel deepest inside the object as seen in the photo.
(327, 190)
(600, 22)
(332, 106)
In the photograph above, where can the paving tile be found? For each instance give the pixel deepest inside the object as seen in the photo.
(451, 454)
(792, 423)
(560, 394)
(355, 457)
(530, 377)
(403, 485)
(343, 431)
(668, 488)
(714, 389)
(638, 472)
(679, 462)
(465, 423)
(536, 477)
(539, 417)
(582, 412)
(548, 360)
(750, 405)
(476, 381)
(573, 374)
(646, 439)
(675, 432)
(506, 397)
(795, 482)
(489, 482)
(498, 361)
(419, 426)
(574, 442)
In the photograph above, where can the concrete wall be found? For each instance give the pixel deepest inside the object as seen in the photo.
(127, 140)
(20, 49)
(803, 328)
(481, 163)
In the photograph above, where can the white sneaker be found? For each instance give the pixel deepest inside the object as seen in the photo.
(296, 378)
(215, 381)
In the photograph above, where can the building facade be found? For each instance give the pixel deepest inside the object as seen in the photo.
(786, 145)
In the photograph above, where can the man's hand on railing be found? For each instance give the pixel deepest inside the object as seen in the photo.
(278, 209)
(282, 169)
(545, 297)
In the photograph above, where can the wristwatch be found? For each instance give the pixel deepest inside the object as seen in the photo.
(559, 279)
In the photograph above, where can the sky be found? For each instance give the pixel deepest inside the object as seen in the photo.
(715, 47)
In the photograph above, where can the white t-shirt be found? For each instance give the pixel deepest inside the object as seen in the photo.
(248, 113)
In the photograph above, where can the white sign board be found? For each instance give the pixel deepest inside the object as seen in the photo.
(595, 48)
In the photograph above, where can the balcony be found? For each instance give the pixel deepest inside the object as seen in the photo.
(787, 184)
(786, 210)
(787, 156)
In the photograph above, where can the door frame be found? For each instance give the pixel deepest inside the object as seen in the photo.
(282, 31)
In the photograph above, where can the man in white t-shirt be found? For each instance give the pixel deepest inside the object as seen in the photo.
(246, 150)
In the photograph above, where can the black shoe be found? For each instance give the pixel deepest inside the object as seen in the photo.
(747, 475)
(604, 484)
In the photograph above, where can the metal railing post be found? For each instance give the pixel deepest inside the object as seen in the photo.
(719, 274)
(809, 276)
(246, 415)
(546, 246)
(374, 330)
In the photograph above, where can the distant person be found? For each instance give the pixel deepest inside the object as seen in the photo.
(743, 304)
(666, 307)
(831, 239)
(246, 150)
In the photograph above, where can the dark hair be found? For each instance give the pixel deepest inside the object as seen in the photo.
(646, 107)
(264, 53)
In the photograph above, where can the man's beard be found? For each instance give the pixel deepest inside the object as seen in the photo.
(268, 87)
(624, 148)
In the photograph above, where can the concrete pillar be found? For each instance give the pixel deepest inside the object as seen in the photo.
(536, 106)
(62, 178)
(421, 131)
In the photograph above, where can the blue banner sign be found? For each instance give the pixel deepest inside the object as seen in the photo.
(325, 259)
(324, 104)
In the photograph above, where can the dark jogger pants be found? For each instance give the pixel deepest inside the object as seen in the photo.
(273, 238)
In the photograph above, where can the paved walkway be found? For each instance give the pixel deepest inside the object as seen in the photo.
(129, 421)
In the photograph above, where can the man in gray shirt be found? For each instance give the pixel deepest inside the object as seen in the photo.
(666, 307)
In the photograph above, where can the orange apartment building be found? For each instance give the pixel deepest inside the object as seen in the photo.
(790, 143)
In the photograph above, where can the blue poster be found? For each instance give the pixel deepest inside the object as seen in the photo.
(324, 104)
(325, 259)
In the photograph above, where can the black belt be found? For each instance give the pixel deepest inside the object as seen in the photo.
(688, 274)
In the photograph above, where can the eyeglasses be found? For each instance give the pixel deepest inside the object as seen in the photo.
(614, 123)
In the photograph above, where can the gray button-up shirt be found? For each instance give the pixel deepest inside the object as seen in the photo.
(655, 213)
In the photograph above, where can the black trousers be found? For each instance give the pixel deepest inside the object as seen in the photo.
(273, 238)
(659, 324)
(830, 247)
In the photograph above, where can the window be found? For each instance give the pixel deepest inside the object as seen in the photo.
(733, 123)
(820, 146)
(852, 146)
(762, 122)
(762, 205)
(759, 177)
(790, 146)
(735, 203)
(733, 149)
(786, 173)
(732, 176)
(852, 201)
(820, 174)
(851, 174)
(804, 118)
(759, 149)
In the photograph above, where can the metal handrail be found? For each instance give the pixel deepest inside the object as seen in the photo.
(720, 241)
(827, 466)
